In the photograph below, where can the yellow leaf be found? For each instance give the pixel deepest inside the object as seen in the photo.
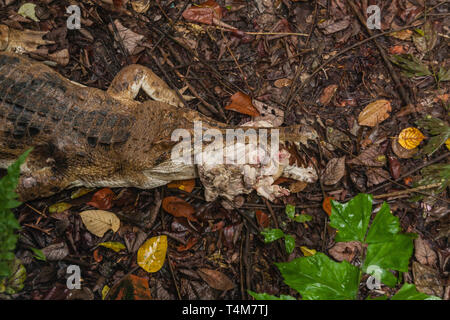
(402, 35)
(116, 246)
(307, 252)
(27, 10)
(410, 138)
(152, 253)
(100, 221)
(105, 291)
(59, 207)
(80, 192)
(447, 143)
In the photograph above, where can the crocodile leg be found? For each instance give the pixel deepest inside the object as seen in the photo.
(132, 78)
(41, 183)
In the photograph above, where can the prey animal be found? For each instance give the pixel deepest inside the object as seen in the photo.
(84, 136)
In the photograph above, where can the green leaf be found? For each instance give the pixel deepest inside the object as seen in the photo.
(409, 292)
(39, 254)
(27, 10)
(384, 227)
(8, 222)
(444, 75)
(290, 211)
(412, 67)
(319, 278)
(440, 129)
(289, 242)
(266, 296)
(302, 218)
(351, 218)
(394, 254)
(271, 235)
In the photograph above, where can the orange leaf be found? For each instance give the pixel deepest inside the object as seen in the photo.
(397, 50)
(410, 138)
(179, 208)
(204, 13)
(262, 218)
(326, 205)
(131, 288)
(102, 199)
(97, 256)
(190, 243)
(185, 185)
(242, 103)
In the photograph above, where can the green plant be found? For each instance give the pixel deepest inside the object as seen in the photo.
(385, 249)
(440, 131)
(8, 223)
(271, 235)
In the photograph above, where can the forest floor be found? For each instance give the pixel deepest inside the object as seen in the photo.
(313, 63)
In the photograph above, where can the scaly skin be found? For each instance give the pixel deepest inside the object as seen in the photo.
(88, 137)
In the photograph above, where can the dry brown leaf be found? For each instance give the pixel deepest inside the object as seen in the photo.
(55, 252)
(375, 113)
(140, 6)
(178, 208)
(401, 152)
(100, 221)
(345, 250)
(242, 103)
(372, 157)
(215, 279)
(185, 185)
(280, 83)
(204, 13)
(328, 94)
(297, 186)
(332, 26)
(423, 252)
(61, 57)
(402, 35)
(376, 176)
(427, 280)
(129, 38)
(334, 171)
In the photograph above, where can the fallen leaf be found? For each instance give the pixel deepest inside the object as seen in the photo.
(397, 50)
(215, 279)
(262, 218)
(410, 138)
(100, 221)
(297, 186)
(425, 39)
(130, 288)
(395, 167)
(376, 176)
(333, 26)
(129, 38)
(427, 279)
(105, 291)
(281, 83)
(375, 113)
(401, 152)
(242, 103)
(185, 185)
(204, 13)
(152, 254)
(345, 250)
(116, 246)
(28, 10)
(423, 252)
(102, 199)
(307, 252)
(178, 208)
(190, 243)
(334, 171)
(372, 157)
(140, 6)
(97, 256)
(59, 207)
(56, 252)
(80, 192)
(326, 205)
(447, 143)
(328, 94)
(402, 35)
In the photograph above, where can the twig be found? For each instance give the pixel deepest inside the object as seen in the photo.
(408, 191)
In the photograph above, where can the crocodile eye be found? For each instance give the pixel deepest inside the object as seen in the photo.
(92, 141)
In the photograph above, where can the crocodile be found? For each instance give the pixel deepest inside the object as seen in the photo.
(84, 136)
